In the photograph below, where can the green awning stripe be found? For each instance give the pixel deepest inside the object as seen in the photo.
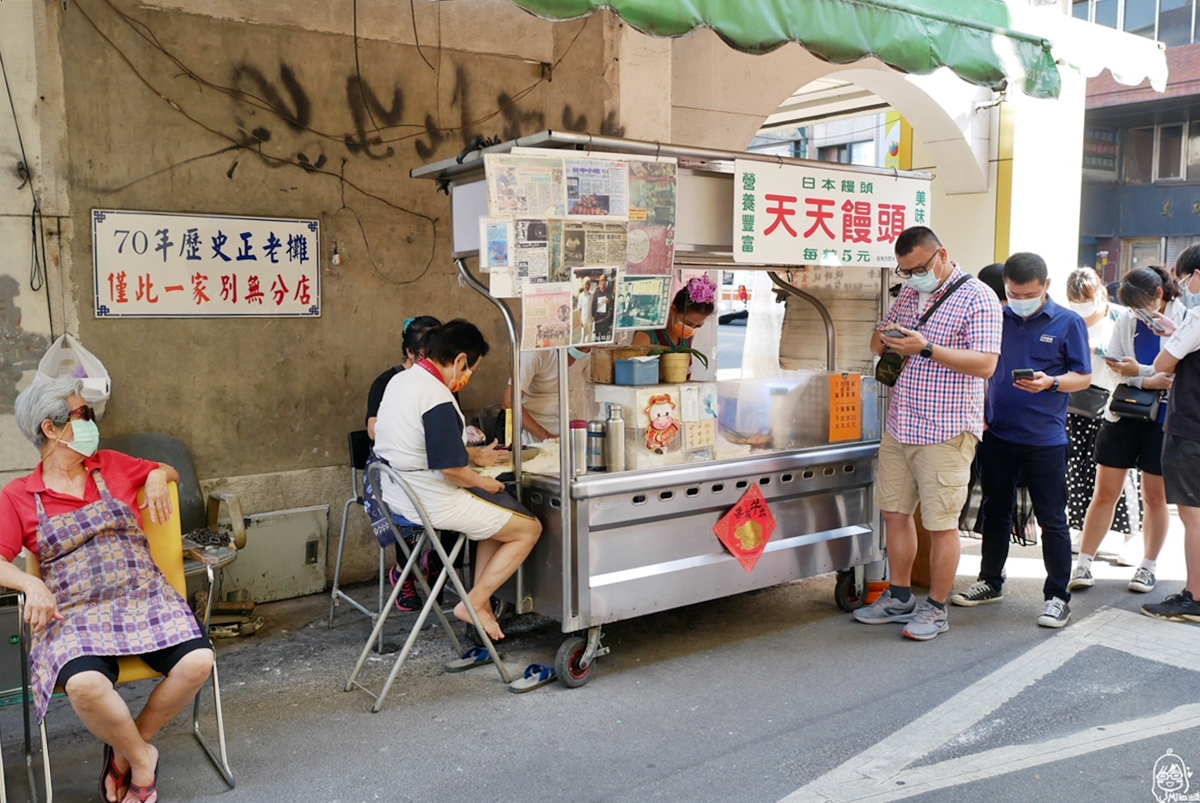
(974, 38)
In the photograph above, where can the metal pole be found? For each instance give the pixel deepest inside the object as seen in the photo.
(565, 467)
(830, 334)
(514, 346)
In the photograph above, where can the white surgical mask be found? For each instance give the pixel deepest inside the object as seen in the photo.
(926, 282)
(1086, 309)
(1024, 307)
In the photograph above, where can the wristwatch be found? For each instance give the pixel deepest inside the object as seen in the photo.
(1054, 387)
(927, 352)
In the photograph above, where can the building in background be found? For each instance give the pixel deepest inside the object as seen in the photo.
(1141, 152)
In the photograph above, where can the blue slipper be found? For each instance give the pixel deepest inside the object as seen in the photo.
(476, 656)
(536, 676)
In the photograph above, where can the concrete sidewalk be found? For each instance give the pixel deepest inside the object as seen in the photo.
(749, 698)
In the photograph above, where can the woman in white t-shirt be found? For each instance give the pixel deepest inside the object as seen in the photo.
(419, 433)
(1087, 296)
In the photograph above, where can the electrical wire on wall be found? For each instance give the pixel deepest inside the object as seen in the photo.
(37, 225)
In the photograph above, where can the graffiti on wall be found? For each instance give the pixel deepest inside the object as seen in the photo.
(376, 116)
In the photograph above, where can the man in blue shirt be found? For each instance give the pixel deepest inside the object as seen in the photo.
(1044, 356)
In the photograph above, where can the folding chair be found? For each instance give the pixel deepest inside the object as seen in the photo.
(360, 450)
(428, 536)
(166, 547)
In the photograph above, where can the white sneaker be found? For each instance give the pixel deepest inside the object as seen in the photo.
(1056, 614)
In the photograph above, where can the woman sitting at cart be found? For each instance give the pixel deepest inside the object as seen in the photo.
(692, 306)
(101, 595)
(420, 434)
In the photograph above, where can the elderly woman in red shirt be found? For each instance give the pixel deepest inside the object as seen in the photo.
(101, 595)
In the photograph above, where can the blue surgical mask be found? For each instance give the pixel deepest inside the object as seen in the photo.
(576, 353)
(1024, 307)
(1189, 298)
(926, 282)
(87, 437)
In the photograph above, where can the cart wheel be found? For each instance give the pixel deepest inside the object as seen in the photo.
(566, 663)
(844, 594)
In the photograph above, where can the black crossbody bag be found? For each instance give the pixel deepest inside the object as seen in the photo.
(891, 362)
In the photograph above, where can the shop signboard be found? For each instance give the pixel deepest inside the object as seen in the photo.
(168, 265)
(786, 214)
(1100, 150)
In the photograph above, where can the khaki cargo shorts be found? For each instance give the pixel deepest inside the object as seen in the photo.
(934, 474)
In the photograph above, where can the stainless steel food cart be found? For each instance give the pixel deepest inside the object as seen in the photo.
(621, 545)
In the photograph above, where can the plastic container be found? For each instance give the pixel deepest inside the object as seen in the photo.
(637, 371)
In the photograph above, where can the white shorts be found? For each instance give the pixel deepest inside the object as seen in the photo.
(450, 508)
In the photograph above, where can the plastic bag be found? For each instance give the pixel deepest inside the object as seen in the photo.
(66, 357)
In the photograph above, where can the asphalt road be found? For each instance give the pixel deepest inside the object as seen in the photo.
(764, 697)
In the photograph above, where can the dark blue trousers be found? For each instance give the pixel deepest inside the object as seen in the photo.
(1045, 470)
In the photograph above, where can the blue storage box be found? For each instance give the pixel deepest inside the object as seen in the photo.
(639, 371)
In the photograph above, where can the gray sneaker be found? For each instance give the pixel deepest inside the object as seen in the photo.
(1081, 578)
(980, 593)
(927, 621)
(1142, 582)
(886, 609)
(1056, 614)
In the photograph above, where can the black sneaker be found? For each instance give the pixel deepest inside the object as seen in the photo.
(1181, 607)
(1056, 614)
(980, 593)
(409, 600)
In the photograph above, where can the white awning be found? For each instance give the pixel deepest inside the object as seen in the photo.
(1089, 49)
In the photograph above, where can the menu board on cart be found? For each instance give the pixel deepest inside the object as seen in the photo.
(845, 407)
(786, 214)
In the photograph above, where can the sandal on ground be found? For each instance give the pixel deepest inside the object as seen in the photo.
(142, 793)
(121, 780)
(475, 656)
(536, 676)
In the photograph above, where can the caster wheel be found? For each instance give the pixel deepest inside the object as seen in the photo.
(844, 594)
(566, 663)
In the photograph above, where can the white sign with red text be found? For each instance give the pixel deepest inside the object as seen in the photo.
(167, 265)
(808, 215)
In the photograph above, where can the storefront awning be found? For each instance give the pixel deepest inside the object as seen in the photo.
(974, 38)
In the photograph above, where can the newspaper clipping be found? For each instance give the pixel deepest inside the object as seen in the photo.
(524, 186)
(652, 194)
(643, 302)
(597, 187)
(495, 238)
(594, 292)
(530, 251)
(546, 316)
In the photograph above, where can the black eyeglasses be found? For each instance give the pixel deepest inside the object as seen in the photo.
(921, 271)
(84, 413)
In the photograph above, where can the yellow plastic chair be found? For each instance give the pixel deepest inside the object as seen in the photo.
(166, 547)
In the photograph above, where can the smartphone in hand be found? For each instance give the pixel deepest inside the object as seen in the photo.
(1148, 319)
(1022, 373)
(893, 333)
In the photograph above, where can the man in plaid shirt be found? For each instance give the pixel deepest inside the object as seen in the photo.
(934, 421)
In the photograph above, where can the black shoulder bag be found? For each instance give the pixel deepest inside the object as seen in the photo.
(891, 362)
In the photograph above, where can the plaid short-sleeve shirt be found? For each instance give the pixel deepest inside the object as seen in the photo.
(931, 403)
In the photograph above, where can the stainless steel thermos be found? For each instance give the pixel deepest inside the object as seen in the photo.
(595, 446)
(579, 446)
(614, 457)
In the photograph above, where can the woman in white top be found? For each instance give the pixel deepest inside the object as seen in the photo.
(1087, 297)
(1125, 443)
(419, 433)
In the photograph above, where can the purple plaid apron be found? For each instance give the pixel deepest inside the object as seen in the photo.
(115, 601)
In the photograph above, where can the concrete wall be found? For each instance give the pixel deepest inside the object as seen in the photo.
(277, 121)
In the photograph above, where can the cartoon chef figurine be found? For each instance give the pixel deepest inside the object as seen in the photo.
(663, 426)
